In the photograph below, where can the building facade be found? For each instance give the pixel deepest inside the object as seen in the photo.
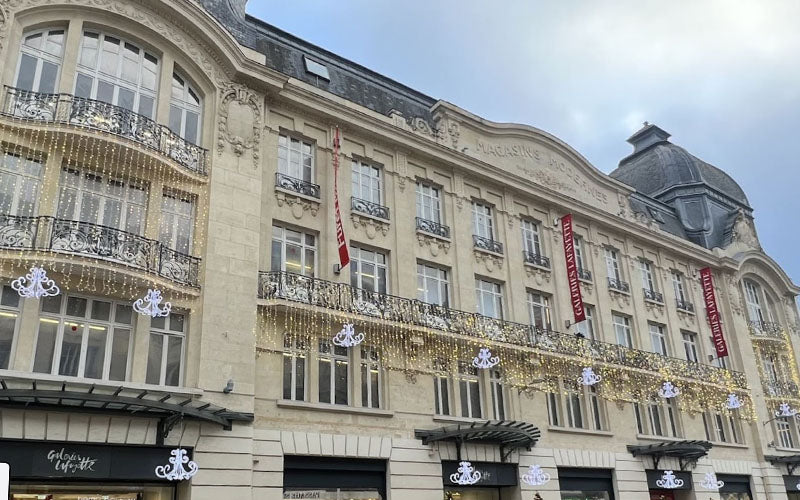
(185, 148)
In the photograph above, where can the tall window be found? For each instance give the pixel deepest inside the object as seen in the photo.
(482, 220)
(722, 428)
(293, 251)
(184, 110)
(9, 313)
(690, 346)
(498, 397)
(82, 337)
(530, 237)
(677, 285)
(576, 407)
(177, 221)
(718, 362)
(20, 181)
(296, 158)
(469, 386)
(166, 353)
(432, 285)
(368, 270)
(367, 182)
(40, 61)
(658, 338)
(539, 309)
(657, 418)
(97, 199)
(370, 378)
(441, 385)
(622, 329)
(295, 368)
(117, 72)
(752, 293)
(612, 264)
(646, 269)
(786, 431)
(429, 204)
(580, 262)
(489, 296)
(587, 327)
(333, 368)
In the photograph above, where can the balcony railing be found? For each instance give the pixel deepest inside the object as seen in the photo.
(99, 242)
(584, 274)
(98, 115)
(370, 208)
(487, 244)
(289, 183)
(345, 298)
(536, 259)
(618, 285)
(432, 227)
(684, 305)
(764, 329)
(653, 295)
(780, 389)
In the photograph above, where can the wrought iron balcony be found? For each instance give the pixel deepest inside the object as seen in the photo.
(432, 227)
(780, 389)
(487, 244)
(684, 305)
(369, 208)
(768, 330)
(297, 185)
(536, 259)
(345, 298)
(584, 274)
(98, 115)
(653, 295)
(99, 242)
(618, 285)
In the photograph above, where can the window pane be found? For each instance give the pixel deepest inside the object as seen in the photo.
(287, 376)
(71, 349)
(83, 86)
(174, 350)
(47, 80)
(341, 382)
(462, 387)
(8, 322)
(324, 381)
(154, 359)
(95, 351)
(119, 354)
(27, 72)
(300, 378)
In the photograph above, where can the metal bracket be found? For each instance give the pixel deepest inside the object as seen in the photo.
(791, 467)
(165, 426)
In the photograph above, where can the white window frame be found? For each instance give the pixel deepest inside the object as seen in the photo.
(665, 412)
(482, 220)
(539, 304)
(283, 240)
(755, 310)
(721, 428)
(296, 350)
(367, 182)
(648, 280)
(166, 332)
(658, 338)
(371, 366)
(333, 358)
(499, 398)
(690, 347)
(577, 243)
(576, 407)
(360, 256)
(612, 264)
(441, 379)
(185, 106)
(469, 379)
(494, 292)
(15, 312)
(438, 277)
(587, 327)
(786, 433)
(172, 218)
(22, 179)
(531, 241)
(293, 153)
(41, 57)
(623, 330)
(429, 202)
(677, 285)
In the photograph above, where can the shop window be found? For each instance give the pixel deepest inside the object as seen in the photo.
(576, 407)
(185, 110)
(333, 373)
(40, 61)
(20, 182)
(293, 251)
(295, 368)
(9, 322)
(657, 418)
(166, 353)
(370, 378)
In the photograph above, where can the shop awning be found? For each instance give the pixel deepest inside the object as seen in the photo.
(167, 407)
(790, 461)
(687, 452)
(508, 434)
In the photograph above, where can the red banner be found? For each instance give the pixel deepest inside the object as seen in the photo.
(341, 241)
(713, 313)
(572, 269)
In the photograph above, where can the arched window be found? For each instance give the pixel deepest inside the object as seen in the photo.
(118, 72)
(752, 292)
(184, 110)
(40, 60)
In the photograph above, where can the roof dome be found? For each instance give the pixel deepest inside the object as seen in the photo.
(656, 165)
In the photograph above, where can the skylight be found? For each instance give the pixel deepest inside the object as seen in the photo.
(316, 68)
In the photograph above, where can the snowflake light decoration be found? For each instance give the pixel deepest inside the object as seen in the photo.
(466, 474)
(485, 359)
(733, 402)
(535, 476)
(35, 284)
(668, 390)
(176, 471)
(669, 481)
(347, 337)
(710, 482)
(150, 305)
(589, 377)
(785, 411)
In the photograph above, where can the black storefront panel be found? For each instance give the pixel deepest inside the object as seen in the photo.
(657, 475)
(791, 482)
(586, 480)
(493, 474)
(327, 473)
(734, 483)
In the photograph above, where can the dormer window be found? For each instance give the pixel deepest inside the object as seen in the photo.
(316, 69)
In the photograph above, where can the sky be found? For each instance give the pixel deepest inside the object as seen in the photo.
(721, 76)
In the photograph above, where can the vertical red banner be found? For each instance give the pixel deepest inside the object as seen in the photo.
(714, 319)
(341, 241)
(572, 269)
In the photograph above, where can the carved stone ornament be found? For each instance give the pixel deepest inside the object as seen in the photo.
(411, 376)
(744, 231)
(455, 132)
(3, 17)
(421, 126)
(686, 318)
(736, 299)
(622, 299)
(586, 288)
(370, 226)
(435, 245)
(243, 131)
(459, 202)
(512, 219)
(298, 206)
(490, 261)
(539, 275)
(655, 308)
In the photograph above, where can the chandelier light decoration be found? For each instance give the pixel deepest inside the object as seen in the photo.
(589, 377)
(668, 391)
(347, 337)
(669, 481)
(784, 410)
(35, 284)
(535, 476)
(150, 305)
(180, 468)
(466, 474)
(485, 359)
(710, 482)
(733, 402)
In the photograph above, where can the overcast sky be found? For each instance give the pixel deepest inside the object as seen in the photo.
(721, 76)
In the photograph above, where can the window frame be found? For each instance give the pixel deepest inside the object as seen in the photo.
(285, 166)
(587, 327)
(441, 379)
(543, 307)
(369, 365)
(496, 294)
(16, 311)
(531, 236)
(483, 224)
(362, 170)
(168, 332)
(612, 263)
(41, 57)
(577, 244)
(626, 325)
(168, 213)
(441, 281)
(357, 259)
(689, 340)
(296, 350)
(332, 358)
(648, 277)
(658, 336)
(665, 411)
(498, 392)
(432, 193)
(303, 245)
(576, 407)
(677, 286)
(185, 106)
(468, 377)
(21, 180)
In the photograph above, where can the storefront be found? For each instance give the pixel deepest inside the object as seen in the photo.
(790, 480)
(736, 487)
(497, 480)
(333, 478)
(585, 484)
(669, 485)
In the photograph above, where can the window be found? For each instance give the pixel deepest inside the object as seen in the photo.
(293, 251)
(612, 264)
(677, 285)
(482, 221)
(368, 270)
(586, 328)
(752, 293)
(498, 397)
(579, 406)
(333, 368)
(648, 282)
(185, 110)
(20, 182)
(9, 313)
(722, 428)
(718, 362)
(658, 338)
(489, 296)
(83, 337)
(690, 346)
(295, 368)
(296, 158)
(786, 431)
(167, 344)
(370, 378)
(657, 418)
(97, 199)
(316, 69)
(40, 61)
(441, 384)
(469, 387)
(367, 182)
(539, 309)
(429, 204)
(432, 285)
(580, 262)
(177, 221)
(553, 409)
(622, 330)
(117, 72)
(531, 243)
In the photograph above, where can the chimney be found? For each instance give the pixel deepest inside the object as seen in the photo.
(647, 136)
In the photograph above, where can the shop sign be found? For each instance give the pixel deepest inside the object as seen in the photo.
(305, 495)
(653, 476)
(492, 474)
